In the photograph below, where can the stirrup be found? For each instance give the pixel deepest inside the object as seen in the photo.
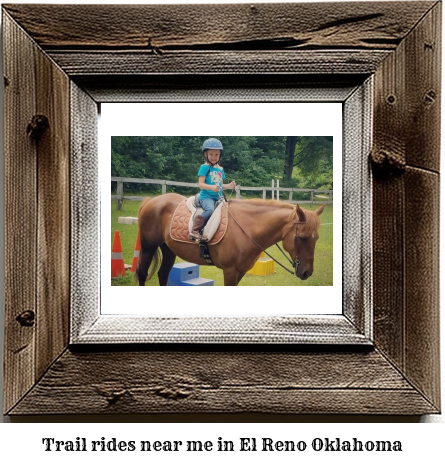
(196, 238)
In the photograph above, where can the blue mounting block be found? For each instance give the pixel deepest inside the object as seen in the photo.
(187, 274)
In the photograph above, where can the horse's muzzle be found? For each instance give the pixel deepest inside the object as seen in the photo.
(305, 275)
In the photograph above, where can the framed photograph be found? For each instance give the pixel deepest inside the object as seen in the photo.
(249, 159)
(366, 341)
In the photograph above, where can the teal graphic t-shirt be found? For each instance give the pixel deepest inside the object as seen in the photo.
(213, 176)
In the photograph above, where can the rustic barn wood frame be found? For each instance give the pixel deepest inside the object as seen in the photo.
(75, 57)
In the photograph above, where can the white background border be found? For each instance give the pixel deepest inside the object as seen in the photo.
(234, 119)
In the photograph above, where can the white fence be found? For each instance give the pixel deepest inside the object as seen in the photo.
(317, 196)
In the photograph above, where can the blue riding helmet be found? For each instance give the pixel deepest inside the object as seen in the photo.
(212, 143)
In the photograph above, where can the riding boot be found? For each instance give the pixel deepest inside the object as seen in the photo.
(198, 224)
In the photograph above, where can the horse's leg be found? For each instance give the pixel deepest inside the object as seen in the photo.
(145, 258)
(231, 277)
(168, 260)
(240, 277)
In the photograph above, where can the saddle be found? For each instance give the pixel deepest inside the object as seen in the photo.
(182, 221)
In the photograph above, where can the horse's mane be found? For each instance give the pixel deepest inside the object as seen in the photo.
(312, 223)
(312, 219)
(264, 203)
(270, 203)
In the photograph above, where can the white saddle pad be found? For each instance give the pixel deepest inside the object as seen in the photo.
(212, 225)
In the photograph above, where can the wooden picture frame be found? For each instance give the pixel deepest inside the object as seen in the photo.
(77, 56)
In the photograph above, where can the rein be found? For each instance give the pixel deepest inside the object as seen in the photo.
(294, 263)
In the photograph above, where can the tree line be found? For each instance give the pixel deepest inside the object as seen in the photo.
(298, 161)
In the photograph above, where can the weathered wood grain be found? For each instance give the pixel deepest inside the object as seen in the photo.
(388, 201)
(20, 213)
(422, 322)
(423, 92)
(78, 63)
(407, 113)
(388, 268)
(37, 223)
(165, 39)
(258, 26)
(53, 227)
(406, 132)
(221, 382)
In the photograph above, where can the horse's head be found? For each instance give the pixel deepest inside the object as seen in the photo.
(299, 241)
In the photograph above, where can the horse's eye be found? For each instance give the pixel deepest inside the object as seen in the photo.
(303, 238)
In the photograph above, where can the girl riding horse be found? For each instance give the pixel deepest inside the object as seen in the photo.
(210, 181)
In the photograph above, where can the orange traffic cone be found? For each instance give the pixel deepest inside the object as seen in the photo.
(137, 249)
(117, 257)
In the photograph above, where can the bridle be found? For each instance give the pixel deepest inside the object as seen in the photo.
(295, 262)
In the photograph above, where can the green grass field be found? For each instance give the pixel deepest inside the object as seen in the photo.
(323, 269)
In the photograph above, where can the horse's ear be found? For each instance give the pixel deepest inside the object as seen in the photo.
(300, 214)
(319, 210)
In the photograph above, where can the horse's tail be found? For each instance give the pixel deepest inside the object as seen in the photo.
(154, 265)
(150, 256)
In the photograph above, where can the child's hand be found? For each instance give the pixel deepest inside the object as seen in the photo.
(215, 188)
(232, 185)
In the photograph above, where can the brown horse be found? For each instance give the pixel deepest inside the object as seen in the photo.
(253, 225)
